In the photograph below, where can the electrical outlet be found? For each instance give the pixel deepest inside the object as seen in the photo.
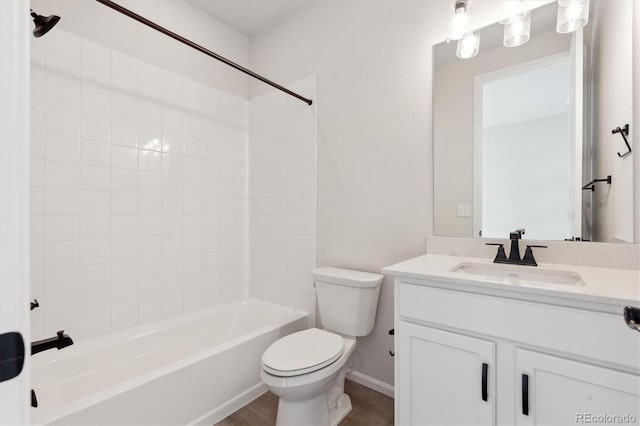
(464, 210)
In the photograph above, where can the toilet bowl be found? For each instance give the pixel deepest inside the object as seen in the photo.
(306, 370)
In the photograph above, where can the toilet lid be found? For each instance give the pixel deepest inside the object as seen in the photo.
(302, 352)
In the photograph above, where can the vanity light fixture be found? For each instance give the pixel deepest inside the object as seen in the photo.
(511, 12)
(517, 32)
(460, 20)
(468, 46)
(572, 15)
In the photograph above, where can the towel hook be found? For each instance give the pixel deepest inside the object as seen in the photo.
(624, 132)
(591, 185)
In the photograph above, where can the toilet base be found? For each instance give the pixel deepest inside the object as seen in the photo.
(312, 411)
(340, 409)
(325, 409)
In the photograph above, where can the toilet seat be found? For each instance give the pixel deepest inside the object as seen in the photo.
(302, 353)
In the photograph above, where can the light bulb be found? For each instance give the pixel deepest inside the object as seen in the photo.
(565, 3)
(572, 14)
(511, 12)
(459, 25)
(468, 46)
(460, 19)
(517, 33)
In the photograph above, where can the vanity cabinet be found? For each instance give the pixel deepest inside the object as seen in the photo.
(535, 363)
(450, 371)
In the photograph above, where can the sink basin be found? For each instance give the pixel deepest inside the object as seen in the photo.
(519, 275)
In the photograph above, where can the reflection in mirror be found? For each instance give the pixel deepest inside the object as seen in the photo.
(519, 131)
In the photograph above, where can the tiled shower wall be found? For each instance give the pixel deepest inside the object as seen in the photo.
(282, 192)
(139, 191)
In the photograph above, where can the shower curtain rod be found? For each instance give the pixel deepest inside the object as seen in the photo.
(195, 46)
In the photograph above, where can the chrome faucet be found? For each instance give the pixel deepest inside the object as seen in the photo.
(514, 252)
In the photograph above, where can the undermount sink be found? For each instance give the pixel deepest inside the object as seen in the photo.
(519, 275)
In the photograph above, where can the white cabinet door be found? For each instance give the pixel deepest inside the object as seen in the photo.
(444, 378)
(557, 391)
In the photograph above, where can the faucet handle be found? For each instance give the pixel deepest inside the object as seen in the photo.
(501, 256)
(528, 258)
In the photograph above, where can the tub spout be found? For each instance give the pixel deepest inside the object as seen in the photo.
(60, 341)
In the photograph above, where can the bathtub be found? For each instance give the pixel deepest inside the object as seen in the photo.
(193, 369)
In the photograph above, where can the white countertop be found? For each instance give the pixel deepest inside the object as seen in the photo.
(601, 285)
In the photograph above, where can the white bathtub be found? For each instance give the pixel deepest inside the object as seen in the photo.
(193, 369)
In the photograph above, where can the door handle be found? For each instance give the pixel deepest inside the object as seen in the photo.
(11, 355)
(485, 374)
(525, 394)
(632, 317)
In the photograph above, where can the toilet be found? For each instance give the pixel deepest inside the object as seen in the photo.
(306, 370)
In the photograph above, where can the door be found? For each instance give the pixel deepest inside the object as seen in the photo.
(444, 378)
(524, 150)
(14, 210)
(558, 391)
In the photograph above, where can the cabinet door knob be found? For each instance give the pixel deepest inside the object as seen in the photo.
(525, 394)
(485, 374)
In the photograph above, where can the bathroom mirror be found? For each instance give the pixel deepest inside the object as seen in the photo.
(519, 131)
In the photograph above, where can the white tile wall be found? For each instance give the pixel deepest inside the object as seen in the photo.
(139, 191)
(282, 192)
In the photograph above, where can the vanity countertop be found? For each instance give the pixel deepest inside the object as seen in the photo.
(608, 286)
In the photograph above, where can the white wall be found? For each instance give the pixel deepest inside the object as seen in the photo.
(612, 100)
(105, 26)
(139, 190)
(282, 197)
(373, 65)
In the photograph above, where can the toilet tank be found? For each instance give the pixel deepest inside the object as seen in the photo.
(347, 300)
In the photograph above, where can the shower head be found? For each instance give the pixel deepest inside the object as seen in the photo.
(43, 23)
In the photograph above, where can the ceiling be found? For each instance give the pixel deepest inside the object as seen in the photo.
(249, 16)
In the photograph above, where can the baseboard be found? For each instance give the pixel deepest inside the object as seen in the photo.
(254, 392)
(371, 383)
(231, 406)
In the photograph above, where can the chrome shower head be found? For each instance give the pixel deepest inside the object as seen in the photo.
(43, 23)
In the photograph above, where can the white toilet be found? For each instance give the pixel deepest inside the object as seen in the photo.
(306, 370)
